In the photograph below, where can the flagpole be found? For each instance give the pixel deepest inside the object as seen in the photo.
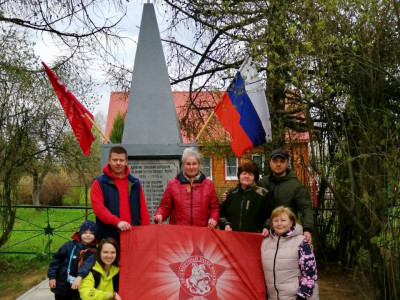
(96, 127)
(205, 124)
(245, 62)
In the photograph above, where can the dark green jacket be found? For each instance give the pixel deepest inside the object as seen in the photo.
(288, 191)
(244, 210)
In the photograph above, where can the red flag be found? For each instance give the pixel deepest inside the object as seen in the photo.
(185, 262)
(74, 111)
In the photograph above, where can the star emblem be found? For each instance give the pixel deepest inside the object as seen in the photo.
(48, 230)
(198, 276)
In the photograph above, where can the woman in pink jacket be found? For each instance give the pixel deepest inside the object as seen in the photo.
(190, 198)
(289, 265)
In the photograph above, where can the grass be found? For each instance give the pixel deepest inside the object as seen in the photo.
(20, 273)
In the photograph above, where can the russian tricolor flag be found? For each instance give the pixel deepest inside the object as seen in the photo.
(243, 111)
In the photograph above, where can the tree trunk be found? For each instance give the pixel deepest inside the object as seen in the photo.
(37, 186)
(7, 212)
(36, 189)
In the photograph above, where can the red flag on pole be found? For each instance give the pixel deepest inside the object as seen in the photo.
(187, 262)
(74, 110)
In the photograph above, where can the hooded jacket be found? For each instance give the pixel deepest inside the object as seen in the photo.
(289, 266)
(87, 288)
(289, 192)
(244, 210)
(116, 199)
(59, 264)
(191, 204)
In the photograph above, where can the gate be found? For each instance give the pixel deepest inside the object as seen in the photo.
(43, 229)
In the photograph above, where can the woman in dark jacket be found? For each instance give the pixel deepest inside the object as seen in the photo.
(190, 198)
(245, 207)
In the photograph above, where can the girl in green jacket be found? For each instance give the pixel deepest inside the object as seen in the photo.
(102, 281)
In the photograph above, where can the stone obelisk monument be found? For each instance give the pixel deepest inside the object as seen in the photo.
(151, 134)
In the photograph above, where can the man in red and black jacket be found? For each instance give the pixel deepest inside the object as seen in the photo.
(117, 197)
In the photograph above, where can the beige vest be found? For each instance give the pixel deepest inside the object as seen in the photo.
(280, 260)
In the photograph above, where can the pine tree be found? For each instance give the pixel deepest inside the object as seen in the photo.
(117, 129)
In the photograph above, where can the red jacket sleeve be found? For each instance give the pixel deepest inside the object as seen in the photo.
(164, 208)
(97, 200)
(144, 212)
(214, 204)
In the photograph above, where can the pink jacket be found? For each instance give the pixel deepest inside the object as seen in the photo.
(189, 204)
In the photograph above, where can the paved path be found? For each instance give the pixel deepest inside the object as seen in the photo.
(38, 292)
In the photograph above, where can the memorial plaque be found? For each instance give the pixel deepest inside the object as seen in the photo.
(154, 175)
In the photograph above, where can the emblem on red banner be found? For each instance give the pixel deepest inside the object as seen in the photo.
(186, 262)
(197, 276)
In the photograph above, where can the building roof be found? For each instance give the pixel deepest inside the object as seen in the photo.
(292, 107)
(190, 123)
(191, 120)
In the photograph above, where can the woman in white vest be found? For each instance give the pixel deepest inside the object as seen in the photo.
(290, 269)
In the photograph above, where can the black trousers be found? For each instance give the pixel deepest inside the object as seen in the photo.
(71, 295)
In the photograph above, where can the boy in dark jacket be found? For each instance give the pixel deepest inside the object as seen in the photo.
(72, 262)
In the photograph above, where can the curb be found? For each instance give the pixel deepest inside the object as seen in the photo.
(40, 291)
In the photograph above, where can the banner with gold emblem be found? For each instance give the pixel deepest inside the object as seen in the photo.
(183, 262)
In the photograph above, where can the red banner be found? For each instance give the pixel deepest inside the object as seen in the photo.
(74, 111)
(183, 262)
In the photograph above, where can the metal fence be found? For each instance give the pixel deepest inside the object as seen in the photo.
(43, 229)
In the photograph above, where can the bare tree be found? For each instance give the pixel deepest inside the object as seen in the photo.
(76, 26)
(33, 126)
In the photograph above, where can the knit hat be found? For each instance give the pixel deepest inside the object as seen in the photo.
(88, 225)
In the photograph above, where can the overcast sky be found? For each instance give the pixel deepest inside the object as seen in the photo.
(130, 26)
